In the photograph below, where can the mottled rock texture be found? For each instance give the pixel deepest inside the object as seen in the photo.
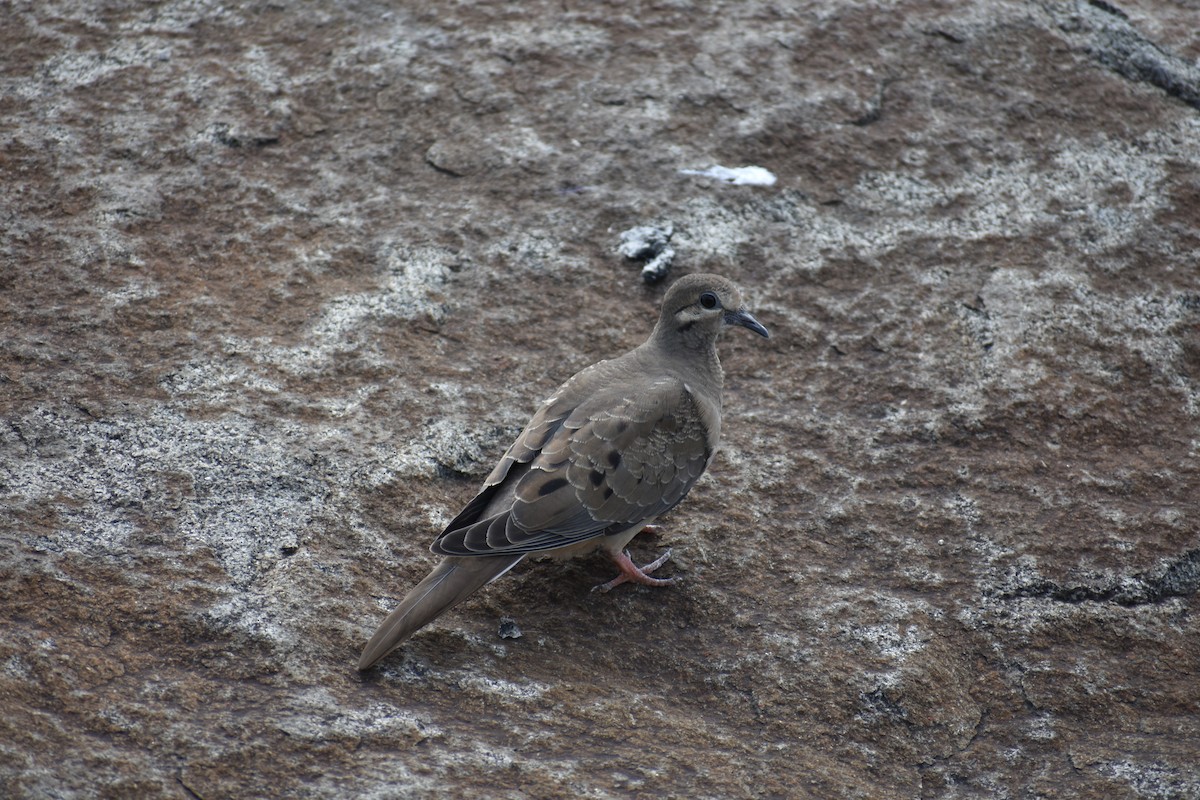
(278, 282)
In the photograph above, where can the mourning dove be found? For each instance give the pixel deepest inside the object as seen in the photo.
(613, 448)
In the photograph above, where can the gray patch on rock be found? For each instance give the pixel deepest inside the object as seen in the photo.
(649, 243)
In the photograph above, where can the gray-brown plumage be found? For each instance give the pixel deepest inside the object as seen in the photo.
(616, 446)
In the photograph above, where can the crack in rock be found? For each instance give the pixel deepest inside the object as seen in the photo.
(1181, 578)
(1115, 43)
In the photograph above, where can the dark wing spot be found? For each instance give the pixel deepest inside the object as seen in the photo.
(608, 493)
(597, 477)
(551, 486)
(622, 426)
(614, 459)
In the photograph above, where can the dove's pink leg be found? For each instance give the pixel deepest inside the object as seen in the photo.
(632, 573)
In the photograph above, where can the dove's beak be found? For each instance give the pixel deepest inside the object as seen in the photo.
(746, 320)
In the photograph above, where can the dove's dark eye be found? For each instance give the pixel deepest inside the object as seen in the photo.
(708, 300)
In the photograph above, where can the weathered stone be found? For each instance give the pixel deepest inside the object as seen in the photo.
(278, 284)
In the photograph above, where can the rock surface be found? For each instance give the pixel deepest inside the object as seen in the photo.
(279, 282)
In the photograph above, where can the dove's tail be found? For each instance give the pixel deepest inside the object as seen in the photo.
(451, 582)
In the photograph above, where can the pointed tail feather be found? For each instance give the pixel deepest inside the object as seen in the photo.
(451, 582)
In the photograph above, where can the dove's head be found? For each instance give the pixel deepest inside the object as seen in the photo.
(698, 307)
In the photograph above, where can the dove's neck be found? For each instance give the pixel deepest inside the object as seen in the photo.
(690, 355)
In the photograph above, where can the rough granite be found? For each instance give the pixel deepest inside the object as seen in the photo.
(278, 283)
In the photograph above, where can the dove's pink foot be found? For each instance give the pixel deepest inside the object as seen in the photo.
(632, 573)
